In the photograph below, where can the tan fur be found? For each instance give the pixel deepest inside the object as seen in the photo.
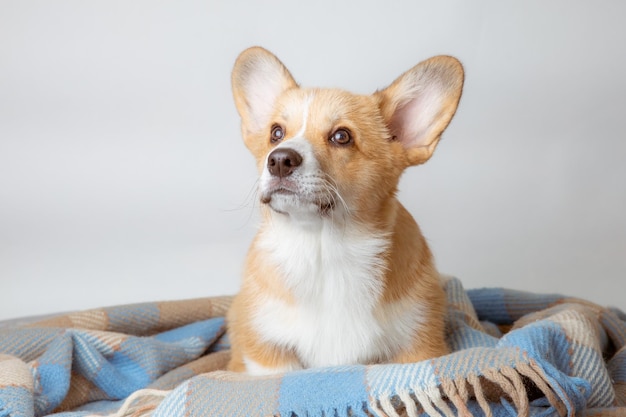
(366, 175)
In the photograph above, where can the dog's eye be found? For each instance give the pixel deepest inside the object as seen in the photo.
(277, 134)
(341, 137)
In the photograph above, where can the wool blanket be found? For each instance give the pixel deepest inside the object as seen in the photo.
(514, 353)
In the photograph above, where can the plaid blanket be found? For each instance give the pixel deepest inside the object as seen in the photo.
(514, 353)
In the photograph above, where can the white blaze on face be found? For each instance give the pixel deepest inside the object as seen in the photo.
(305, 115)
(305, 183)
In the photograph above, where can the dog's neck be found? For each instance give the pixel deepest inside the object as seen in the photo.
(330, 258)
(319, 260)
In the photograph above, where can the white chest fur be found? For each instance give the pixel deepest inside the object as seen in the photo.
(335, 275)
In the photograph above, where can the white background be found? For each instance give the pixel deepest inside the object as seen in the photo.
(123, 177)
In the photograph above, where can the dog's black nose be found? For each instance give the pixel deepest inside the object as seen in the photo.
(282, 162)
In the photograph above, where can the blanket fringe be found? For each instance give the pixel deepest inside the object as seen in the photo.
(411, 408)
(505, 383)
(493, 386)
(140, 403)
(388, 410)
(427, 404)
(479, 394)
(533, 372)
(512, 385)
(458, 397)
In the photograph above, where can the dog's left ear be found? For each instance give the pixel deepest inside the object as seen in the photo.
(419, 105)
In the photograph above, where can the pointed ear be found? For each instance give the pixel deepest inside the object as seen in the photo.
(258, 79)
(418, 106)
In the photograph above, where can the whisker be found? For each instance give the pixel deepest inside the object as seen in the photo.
(250, 198)
(250, 202)
(330, 183)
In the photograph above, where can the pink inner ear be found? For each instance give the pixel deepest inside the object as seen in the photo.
(263, 80)
(412, 121)
(262, 90)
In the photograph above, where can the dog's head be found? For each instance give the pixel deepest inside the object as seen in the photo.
(323, 151)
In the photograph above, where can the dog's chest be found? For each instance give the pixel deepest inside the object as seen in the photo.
(336, 279)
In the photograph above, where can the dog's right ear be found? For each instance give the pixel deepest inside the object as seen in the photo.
(258, 79)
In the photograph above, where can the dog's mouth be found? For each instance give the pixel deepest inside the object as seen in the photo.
(326, 207)
(282, 199)
(266, 198)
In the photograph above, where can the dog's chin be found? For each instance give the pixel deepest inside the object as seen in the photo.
(290, 203)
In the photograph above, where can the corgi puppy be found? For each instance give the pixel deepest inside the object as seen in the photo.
(339, 272)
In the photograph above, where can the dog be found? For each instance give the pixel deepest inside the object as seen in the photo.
(339, 272)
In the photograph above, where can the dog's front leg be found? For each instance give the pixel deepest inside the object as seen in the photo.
(256, 357)
(263, 359)
(427, 343)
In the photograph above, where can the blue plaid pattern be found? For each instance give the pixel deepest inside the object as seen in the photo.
(514, 353)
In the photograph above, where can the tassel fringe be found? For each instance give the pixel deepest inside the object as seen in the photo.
(140, 404)
(452, 396)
